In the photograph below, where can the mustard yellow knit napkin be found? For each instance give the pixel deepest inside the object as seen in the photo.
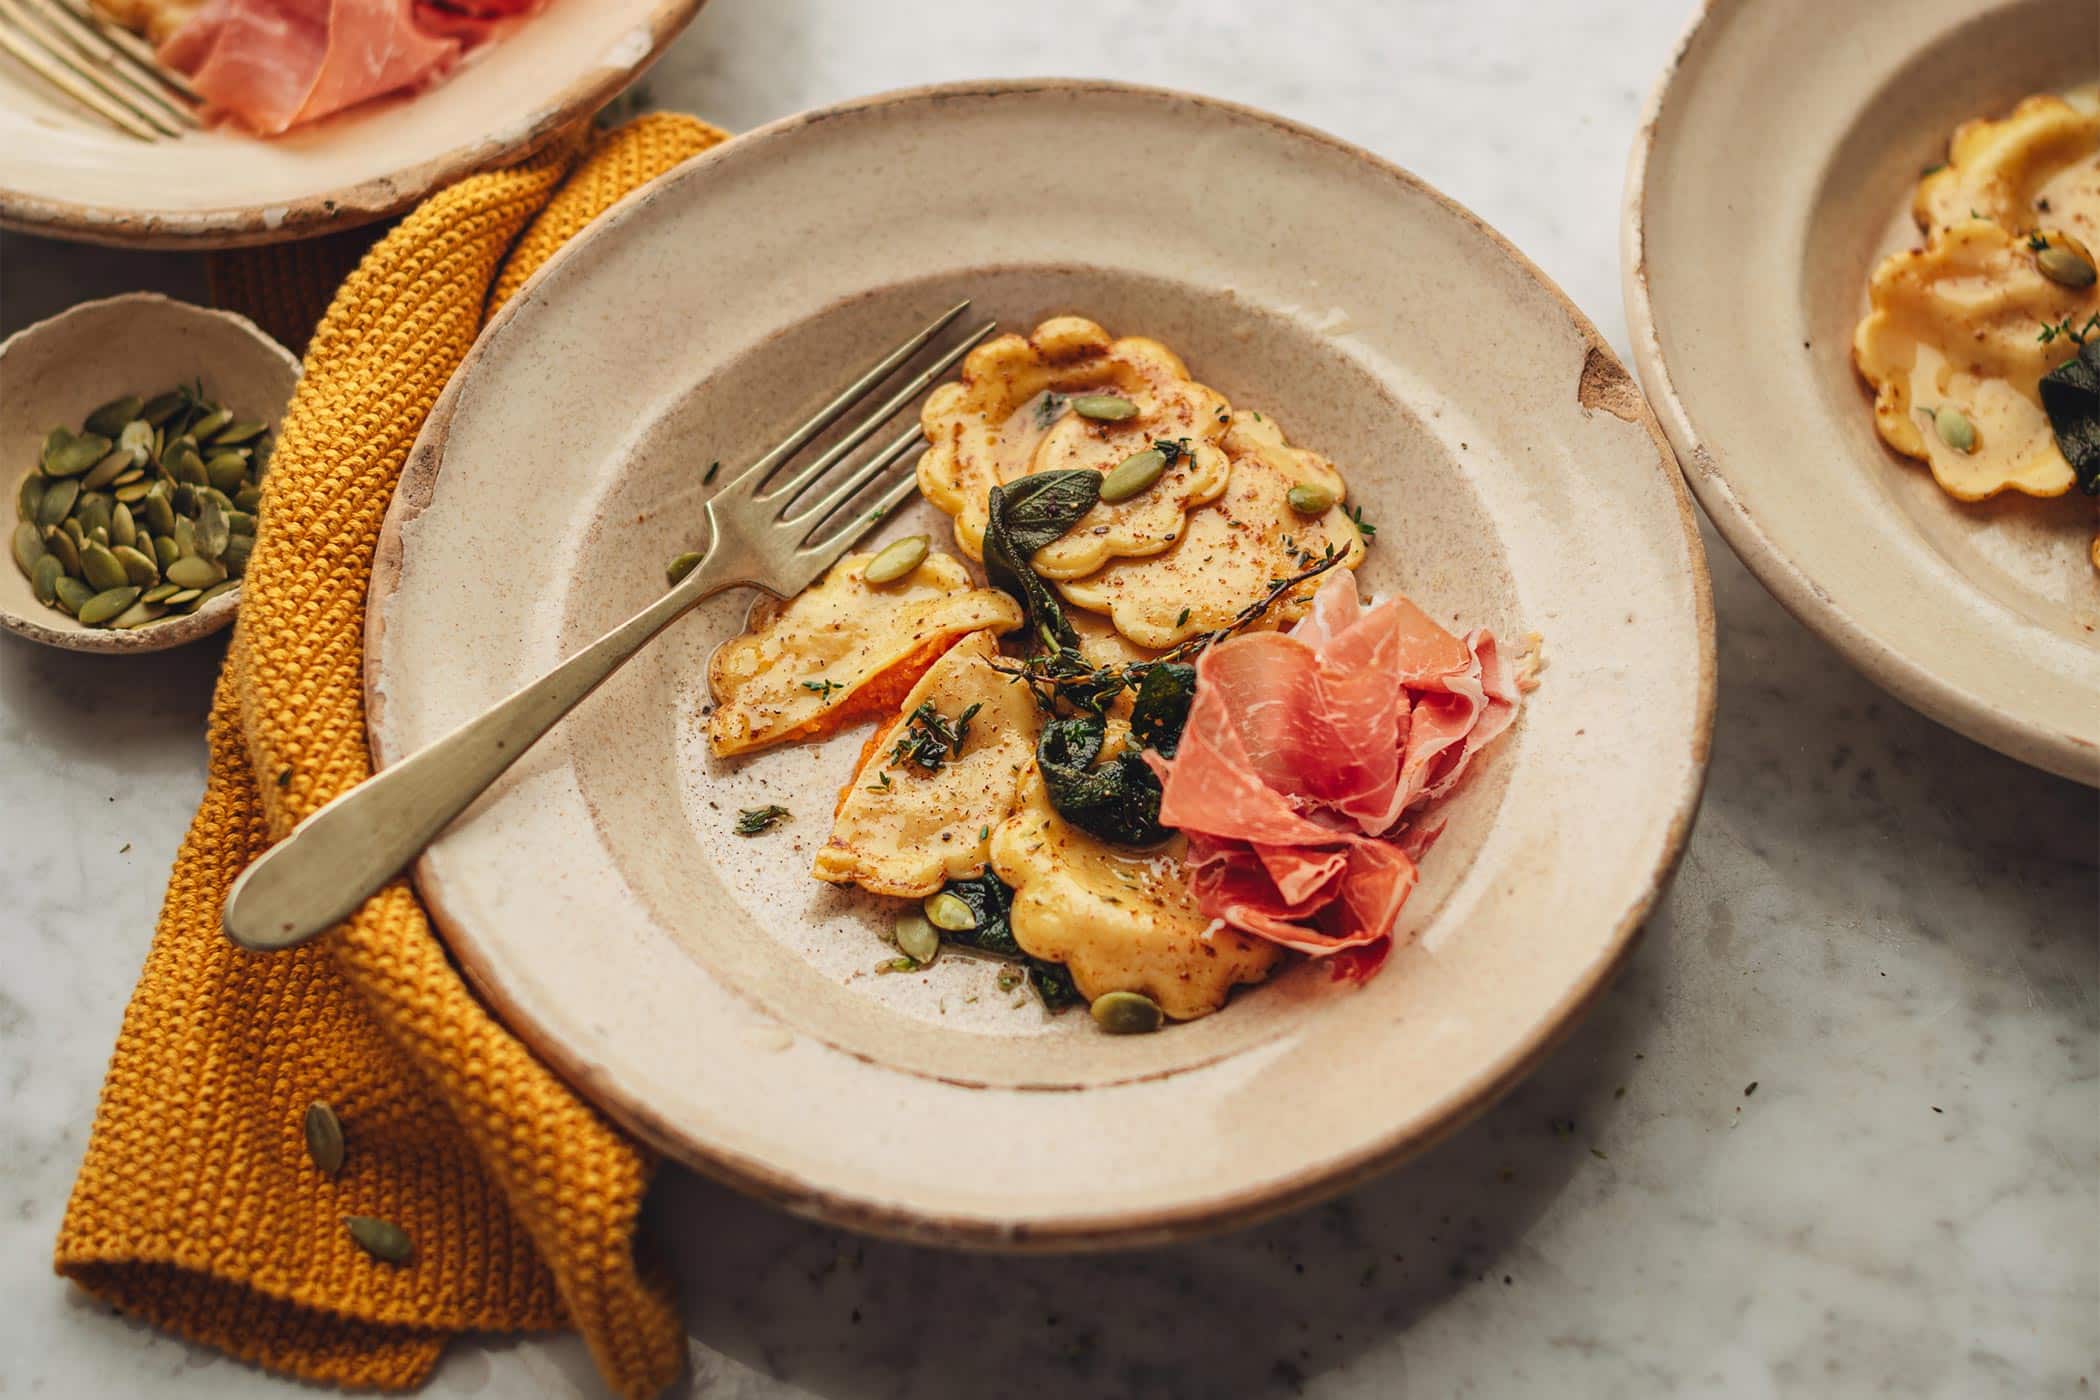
(197, 1207)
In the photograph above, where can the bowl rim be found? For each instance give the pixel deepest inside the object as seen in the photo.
(1704, 465)
(1137, 1227)
(214, 616)
(348, 206)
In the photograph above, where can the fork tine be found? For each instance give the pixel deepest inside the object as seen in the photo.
(856, 480)
(95, 46)
(32, 56)
(143, 59)
(802, 476)
(826, 552)
(39, 30)
(754, 476)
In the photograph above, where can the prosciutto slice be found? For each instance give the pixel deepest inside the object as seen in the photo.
(1308, 757)
(275, 64)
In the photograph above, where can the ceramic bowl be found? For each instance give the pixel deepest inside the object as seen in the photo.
(57, 371)
(68, 174)
(1753, 218)
(711, 995)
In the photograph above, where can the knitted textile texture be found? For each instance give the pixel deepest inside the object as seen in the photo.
(197, 1207)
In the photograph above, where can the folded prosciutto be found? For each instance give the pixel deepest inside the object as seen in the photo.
(274, 64)
(1306, 759)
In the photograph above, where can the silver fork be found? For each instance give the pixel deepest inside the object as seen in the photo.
(779, 536)
(100, 64)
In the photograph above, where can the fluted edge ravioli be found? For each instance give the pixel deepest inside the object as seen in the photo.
(842, 650)
(992, 427)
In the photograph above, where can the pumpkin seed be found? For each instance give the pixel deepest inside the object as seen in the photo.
(134, 491)
(122, 528)
(382, 1239)
(109, 420)
(1955, 428)
(185, 535)
(29, 546)
(43, 579)
(210, 593)
(248, 498)
(137, 439)
(72, 593)
(30, 494)
(211, 422)
(58, 501)
(160, 516)
(226, 470)
(896, 560)
(184, 464)
(65, 547)
(180, 596)
(137, 567)
(93, 510)
(324, 1138)
(212, 533)
(1126, 1013)
(161, 407)
(235, 555)
(240, 522)
(2065, 267)
(234, 434)
(162, 592)
(678, 568)
(105, 605)
(101, 569)
(72, 527)
(137, 615)
(105, 471)
(950, 912)
(1310, 500)
(1133, 475)
(192, 571)
(98, 535)
(916, 938)
(1105, 408)
(165, 552)
(75, 455)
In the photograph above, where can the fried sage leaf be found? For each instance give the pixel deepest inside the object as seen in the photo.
(1023, 517)
(991, 902)
(2071, 397)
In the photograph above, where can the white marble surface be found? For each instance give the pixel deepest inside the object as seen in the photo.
(1890, 931)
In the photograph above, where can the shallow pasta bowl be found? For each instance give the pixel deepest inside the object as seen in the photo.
(1751, 225)
(712, 996)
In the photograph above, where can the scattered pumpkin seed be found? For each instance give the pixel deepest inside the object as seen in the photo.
(1104, 408)
(43, 579)
(29, 546)
(184, 464)
(212, 533)
(58, 501)
(137, 615)
(1126, 1013)
(109, 420)
(916, 938)
(132, 493)
(1133, 475)
(678, 568)
(1955, 428)
(72, 527)
(185, 535)
(105, 605)
(97, 534)
(161, 592)
(382, 1239)
(72, 594)
(248, 498)
(949, 912)
(240, 522)
(324, 1138)
(93, 510)
(2065, 266)
(1308, 499)
(896, 560)
(65, 547)
(101, 569)
(192, 571)
(138, 568)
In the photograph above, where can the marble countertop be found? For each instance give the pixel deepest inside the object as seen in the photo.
(1836, 1130)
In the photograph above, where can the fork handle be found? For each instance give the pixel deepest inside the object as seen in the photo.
(318, 875)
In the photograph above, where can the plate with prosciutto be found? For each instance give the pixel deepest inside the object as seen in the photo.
(1257, 739)
(315, 115)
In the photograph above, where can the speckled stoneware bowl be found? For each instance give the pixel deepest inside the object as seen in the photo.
(66, 173)
(57, 371)
(1754, 214)
(709, 993)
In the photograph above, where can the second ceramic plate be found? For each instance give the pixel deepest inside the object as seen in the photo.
(710, 994)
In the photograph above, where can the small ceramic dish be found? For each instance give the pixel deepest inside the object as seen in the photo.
(65, 173)
(56, 371)
(1752, 222)
(710, 994)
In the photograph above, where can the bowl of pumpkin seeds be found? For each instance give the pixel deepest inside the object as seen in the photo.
(135, 434)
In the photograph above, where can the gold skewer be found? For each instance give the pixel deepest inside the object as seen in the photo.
(94, 45)
(50, 70)
(36, 29)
